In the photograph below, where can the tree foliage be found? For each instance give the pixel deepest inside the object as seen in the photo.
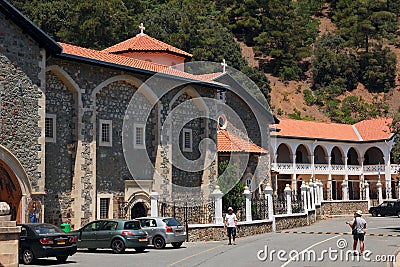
(230, 185)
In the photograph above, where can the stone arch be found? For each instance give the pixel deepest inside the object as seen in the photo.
(12, 170)
(196, 97)
(337, 156)
(373, 156)
(302, 154)
(140, 197)
(320, 155)
(284, 153)
(353, 156)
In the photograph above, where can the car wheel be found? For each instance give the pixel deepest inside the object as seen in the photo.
(27, 256)
(374, 213)
(177, 244)
(159, 242)
(91, 249)
(62, 259)
(118, 246)
(139, 249)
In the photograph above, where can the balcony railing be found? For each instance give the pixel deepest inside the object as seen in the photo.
(301, 168)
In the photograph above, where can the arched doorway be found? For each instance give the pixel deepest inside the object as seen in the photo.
(138, 210)
(14, 185)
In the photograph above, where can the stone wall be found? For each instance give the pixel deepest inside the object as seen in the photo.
(344, 207)
(9, 238)
(290, 221)
(214, 232)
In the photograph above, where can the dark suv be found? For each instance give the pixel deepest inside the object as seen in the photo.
(387, 208)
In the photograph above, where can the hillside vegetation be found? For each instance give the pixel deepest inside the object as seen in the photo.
(332, 61)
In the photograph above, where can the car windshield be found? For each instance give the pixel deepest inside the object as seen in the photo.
(132, 225)
(171, 222)
(46, 229)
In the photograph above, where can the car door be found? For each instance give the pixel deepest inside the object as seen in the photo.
(106, 232)
(88, 235)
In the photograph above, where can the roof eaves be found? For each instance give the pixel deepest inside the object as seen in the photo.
(330, 139)
(139, 70)
(29, 27)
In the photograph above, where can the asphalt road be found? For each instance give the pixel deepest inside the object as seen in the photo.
(312, 249)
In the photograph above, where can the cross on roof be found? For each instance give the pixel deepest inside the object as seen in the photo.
(224, 65)
(142, 28)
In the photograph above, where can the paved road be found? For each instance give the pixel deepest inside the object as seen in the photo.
(247, 251)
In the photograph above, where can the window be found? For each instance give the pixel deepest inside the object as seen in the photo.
(222, 122)
(105, 133)
(187, 140)
(138, 136)
(221, 96)
(104, 206)
(94, 226)
(248, 182)
(50, 128)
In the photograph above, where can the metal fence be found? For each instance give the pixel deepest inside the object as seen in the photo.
(297, 204)
(279, 201)
(259, 208)
(197, 214)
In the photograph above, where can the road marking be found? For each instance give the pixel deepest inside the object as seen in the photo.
(335, 233)
(194, 255)
(310, 247)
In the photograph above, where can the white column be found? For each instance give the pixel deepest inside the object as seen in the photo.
(268, 197)
(379, 188)
(312, 194)
(288, 194)
(247, 195)
(366, 188)
(329, 196)
(388, 177)
(303, 189)
(154, 204)
(217, 195)
(308, 196)
(294, 183)
(318, 194)
(345, 191)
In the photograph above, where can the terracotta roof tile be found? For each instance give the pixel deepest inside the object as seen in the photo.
(130, 62)
(228, 142)
(145, 43)
(375, 129)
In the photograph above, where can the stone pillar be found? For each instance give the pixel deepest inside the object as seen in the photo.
(294, 184)
(247, 195)
(288, 194)
(329, 186)
(366, 188)
(308, 196)
(345, 191)
(317, 192)
(303, 189)
(217, 195)
(268, 191)
(312, 194)
(379, 188)
(154, 204)
(9, 237)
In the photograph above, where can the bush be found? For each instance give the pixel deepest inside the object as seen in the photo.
(308, 97)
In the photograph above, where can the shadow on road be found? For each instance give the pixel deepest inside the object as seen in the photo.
(50, 262)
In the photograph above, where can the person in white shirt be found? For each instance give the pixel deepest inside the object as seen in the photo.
(230, 224)
(358, 229)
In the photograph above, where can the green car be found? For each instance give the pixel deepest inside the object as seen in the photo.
(115, 234)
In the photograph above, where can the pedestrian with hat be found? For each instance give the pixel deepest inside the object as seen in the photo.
(358, 229)
(230, 224)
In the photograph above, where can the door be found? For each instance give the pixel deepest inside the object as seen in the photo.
(88, 235)
(105, 234)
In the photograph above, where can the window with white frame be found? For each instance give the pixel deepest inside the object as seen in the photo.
(221, 96)
(138, 136)
(187, 140)
(50, 127)
(104, 206)
(248, 182)
(105, 133)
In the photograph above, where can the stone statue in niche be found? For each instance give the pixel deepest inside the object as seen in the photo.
(34, 211)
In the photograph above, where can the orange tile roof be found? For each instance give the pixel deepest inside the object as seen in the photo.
(374, 129)
(130, 62)
(228, 142)
(145, 43)
(367, 130)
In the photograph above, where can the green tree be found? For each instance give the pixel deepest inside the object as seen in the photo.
(229, 182)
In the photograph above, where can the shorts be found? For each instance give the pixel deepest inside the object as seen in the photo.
(357, 237)
(231, 231)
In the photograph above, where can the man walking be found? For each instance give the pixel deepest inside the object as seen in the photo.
(230, 224)
(358, 229)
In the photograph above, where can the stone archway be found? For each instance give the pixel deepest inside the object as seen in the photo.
(14, 185)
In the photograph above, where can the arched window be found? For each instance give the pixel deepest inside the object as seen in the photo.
(248, 182)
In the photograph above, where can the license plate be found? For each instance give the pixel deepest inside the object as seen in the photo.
(144, 239)
(60, 242)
